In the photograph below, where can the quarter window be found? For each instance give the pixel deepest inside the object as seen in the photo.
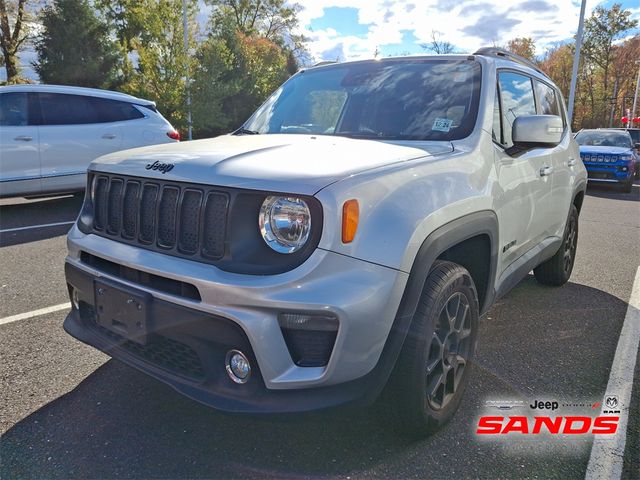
(14, 110)
(516, 93)
(547, 100)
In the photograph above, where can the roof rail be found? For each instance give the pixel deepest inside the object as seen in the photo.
(325, 62)
(501, 52)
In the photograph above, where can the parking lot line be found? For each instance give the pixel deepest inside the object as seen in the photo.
(34, 313)
(607, 452)
(44, 225)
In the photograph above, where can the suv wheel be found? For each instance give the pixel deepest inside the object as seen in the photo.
(628, 186)
(432, 371)
(557, 270)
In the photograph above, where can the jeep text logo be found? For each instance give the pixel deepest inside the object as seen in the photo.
(162, 167)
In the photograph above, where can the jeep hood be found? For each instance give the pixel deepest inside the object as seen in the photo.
(283, 163)
(604, 150)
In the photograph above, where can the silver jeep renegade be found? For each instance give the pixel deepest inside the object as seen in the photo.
(341, 245)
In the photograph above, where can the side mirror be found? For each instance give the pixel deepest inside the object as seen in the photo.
(637, 146)
(537, 131)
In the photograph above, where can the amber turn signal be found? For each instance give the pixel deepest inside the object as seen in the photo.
(350, 217)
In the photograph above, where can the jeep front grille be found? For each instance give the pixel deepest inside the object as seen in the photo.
(179, 219)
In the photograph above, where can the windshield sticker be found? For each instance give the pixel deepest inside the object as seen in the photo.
(442, 125)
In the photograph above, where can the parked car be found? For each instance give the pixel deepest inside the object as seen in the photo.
(609, 156)
(49, 134)
(635, 138)
(343, 242)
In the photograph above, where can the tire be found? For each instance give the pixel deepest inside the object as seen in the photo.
(627, 186)
(436, 354)
(557, 270)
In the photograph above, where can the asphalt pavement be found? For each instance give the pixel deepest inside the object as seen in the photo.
(69, 411)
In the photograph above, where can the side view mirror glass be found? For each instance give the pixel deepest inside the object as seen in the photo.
(537, 131)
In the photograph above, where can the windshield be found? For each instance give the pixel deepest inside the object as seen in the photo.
(391, 99)
(597, 138)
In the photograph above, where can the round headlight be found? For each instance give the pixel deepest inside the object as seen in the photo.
(285, 223)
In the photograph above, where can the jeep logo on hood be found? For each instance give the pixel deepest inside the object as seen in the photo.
(163, 167)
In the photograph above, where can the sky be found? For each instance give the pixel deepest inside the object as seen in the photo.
(355, 29)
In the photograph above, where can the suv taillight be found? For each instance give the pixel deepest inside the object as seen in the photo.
(174, 135)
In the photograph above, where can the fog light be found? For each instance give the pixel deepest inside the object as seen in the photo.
(75, 298)
(238, 367)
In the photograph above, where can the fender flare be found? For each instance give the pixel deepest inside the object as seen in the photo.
(479, 223)
(580, 187)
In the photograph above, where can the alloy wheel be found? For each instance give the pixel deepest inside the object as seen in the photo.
(449, 351)
(570, 244)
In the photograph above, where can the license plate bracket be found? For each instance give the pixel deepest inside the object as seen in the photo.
(123, 310)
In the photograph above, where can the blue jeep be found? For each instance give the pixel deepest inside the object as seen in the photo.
(608, 156)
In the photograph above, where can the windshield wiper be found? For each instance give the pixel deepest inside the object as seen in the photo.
(245, 131)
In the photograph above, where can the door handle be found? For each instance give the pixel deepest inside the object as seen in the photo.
(545, 171)
(23, 138)
(109, 136)
(572, 162)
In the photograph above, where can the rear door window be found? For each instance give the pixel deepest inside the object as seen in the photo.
(64, 109)
(516, 94)
(14, 109)
(108, 110)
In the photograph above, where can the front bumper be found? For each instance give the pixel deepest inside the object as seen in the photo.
(612, 173)
(243, 310)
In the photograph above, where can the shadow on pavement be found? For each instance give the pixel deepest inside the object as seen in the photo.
(19, 213)
(613, 192)
(535, 343)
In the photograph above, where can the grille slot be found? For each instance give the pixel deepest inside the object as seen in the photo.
(184, 220)
(167, 215)
(148, 213)
(101, 207)
(190, 221)
(114, 209)
(214, 226)
(130, 210)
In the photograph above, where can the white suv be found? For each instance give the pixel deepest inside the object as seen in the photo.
(346, 239)
(50, 134)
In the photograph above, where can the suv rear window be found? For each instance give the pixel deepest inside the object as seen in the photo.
(64, 109)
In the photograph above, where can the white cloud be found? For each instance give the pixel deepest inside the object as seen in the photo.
(468, 24)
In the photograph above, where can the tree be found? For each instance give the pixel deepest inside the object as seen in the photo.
(523, 46)
(11, 41)
(557, 62)
(602, 29)
(274, 20)
(161, 62)
(437, 45)
(233, 77)
(75, 48)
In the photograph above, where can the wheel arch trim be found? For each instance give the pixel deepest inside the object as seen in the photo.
(484, 222)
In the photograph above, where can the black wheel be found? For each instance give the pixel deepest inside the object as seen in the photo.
(626, 187)
(557, 270)
(432, 371)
